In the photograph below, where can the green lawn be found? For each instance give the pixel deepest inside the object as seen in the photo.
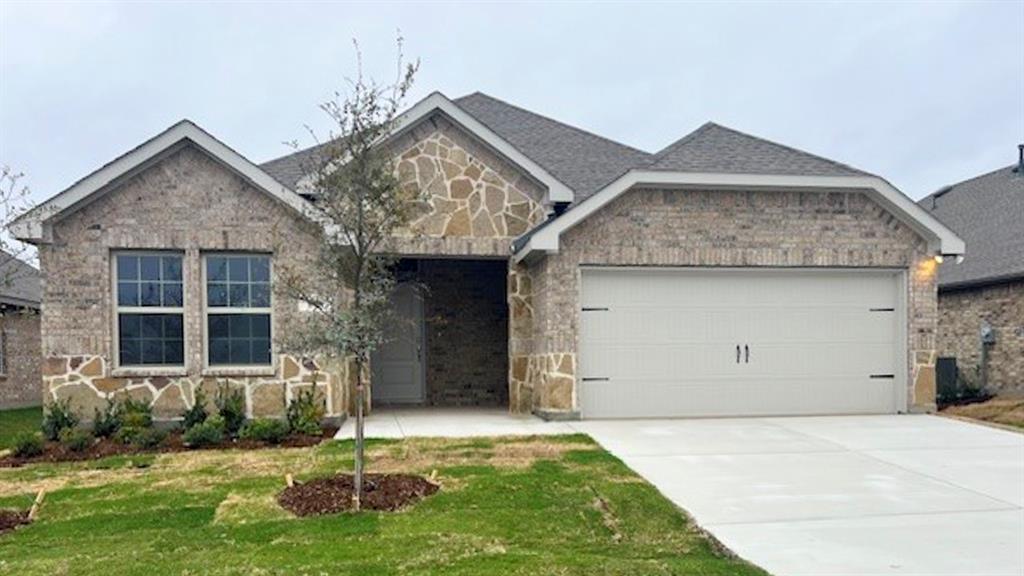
(511, 506)
(14, 421)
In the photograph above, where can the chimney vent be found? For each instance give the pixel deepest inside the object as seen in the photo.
(1020, 159)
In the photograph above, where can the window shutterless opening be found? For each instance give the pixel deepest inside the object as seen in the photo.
(237, 312)
(150, 307)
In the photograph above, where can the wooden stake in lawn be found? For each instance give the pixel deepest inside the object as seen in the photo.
(345, 288)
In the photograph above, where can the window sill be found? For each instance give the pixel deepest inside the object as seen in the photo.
(240, 371)
(129, 372)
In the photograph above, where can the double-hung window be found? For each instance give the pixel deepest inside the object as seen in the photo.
(238, 309)
(150, 309)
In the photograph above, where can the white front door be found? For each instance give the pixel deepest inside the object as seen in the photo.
(397, 365)
(701, 342)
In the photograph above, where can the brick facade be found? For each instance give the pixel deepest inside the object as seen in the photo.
(466, 346)
(19, 382)
(188, 203)
(961, 314)
(650, 227)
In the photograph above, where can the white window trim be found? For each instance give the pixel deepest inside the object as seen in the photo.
(236, 369)
(147, 369)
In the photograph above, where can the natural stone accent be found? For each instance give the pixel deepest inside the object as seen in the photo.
(468, 191)
(169, 403)
(961, 315)
(268, 399)
(171, 396)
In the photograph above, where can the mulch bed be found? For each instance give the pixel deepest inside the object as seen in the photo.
(11, 519)
(105, 447)
(333, 494)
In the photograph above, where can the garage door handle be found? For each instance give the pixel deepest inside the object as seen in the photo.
(737, 353)
(746, 352)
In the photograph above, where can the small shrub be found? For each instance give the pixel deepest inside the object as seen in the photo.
(59, 416)
(106, 423)
(197, 413)
(136, 413)
(28, 444)
(149, 438)
(76, 440)
(231, 407)
(305, 412)
(266, 430)
(128, 434)
(208, 433)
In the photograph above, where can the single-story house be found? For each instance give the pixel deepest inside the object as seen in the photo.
(20, 354)
(567, 275)
(981, 300)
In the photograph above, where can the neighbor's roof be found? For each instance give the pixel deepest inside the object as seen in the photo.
(988, 213)
(19, 282)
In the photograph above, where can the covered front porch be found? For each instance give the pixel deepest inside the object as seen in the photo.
(447, 343)
(447, 422)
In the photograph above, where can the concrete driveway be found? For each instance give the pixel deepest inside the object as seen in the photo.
(840, 495)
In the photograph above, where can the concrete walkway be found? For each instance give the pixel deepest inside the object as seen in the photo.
(845, 495)
(451, 423)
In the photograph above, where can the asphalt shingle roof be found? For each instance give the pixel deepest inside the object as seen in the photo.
(715, 148)
(988, 213)
(586, 162)
(579, 159)
(19, 282)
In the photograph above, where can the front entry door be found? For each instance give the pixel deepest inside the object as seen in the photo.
(397, 365)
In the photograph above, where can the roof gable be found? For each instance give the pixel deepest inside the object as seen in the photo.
(715, 148)
(293, 168)
(32, 226)
(987, 211)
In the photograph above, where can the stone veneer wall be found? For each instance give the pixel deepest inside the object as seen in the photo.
(961, 313)
(476, 202)
(189, 203)
(651, 227)
(19, 384)
(466, 335)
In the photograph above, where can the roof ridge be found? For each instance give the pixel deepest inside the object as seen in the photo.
(681, 141)
(953, 186)
(710, 124)
(550, 119)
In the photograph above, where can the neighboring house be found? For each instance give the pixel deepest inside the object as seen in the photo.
(20, 357)
(567, 275)
(985, 291)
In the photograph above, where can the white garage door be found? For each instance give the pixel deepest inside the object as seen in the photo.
(672, 342)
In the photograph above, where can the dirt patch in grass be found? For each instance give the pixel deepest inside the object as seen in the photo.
(427, 454)
(11, 519)
(1005, 411)
(106, 447)
(333, 494)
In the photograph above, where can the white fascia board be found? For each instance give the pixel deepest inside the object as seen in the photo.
(557, 191)
(30, 227)
(941, 239)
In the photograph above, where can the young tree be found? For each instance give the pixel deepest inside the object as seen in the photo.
(14, 202)
(344, 289)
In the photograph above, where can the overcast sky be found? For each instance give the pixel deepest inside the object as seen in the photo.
(923, 94)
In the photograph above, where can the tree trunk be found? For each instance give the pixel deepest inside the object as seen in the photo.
(358, 475)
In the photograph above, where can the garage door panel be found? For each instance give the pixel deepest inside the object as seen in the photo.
(660, 399)
(664, 342)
